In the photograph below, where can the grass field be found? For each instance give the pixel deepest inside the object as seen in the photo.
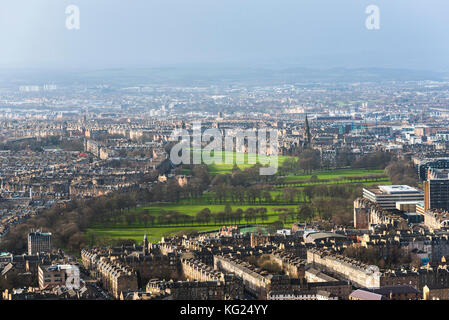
(153, 234)
(193, 209)
(305, 183)
(334, 174)
(243, 161)
(138, 230)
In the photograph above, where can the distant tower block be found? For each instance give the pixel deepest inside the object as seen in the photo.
(39, 242)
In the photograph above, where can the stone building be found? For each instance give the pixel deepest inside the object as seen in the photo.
(147, 261)
(51, 276)
(198, 271)
(368, 213)
(259, 240)
(354, 271)
(361, 274)
(153, 265)
(116, 278)
(291, 265)
(258, 283)
(229, 287)
(435, 292)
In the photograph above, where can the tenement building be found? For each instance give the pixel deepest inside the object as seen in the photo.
(361, 274)
(229, 287)
(116, 278)
(368, 213)
(257, 282)
(147, 261)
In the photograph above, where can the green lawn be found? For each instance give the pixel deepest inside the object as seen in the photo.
(137, 230)
(249, 159)
(193, 209)
(304, 183)
(334, 174)
(137, 234)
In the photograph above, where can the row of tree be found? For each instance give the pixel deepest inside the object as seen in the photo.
(402, 172)
(310, 160)
(343, 179)
(384, 257)
(227, 216)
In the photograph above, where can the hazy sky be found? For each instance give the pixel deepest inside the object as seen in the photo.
(317, 33)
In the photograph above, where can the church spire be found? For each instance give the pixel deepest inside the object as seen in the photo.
(307, 143)
(145, 245)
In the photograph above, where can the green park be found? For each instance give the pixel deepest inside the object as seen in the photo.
(285, 199)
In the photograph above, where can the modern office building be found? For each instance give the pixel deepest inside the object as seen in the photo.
(436, 189)
(39, 242)
(426, 164)
(387, 196)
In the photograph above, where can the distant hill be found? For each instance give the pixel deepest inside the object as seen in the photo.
(217, 75)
